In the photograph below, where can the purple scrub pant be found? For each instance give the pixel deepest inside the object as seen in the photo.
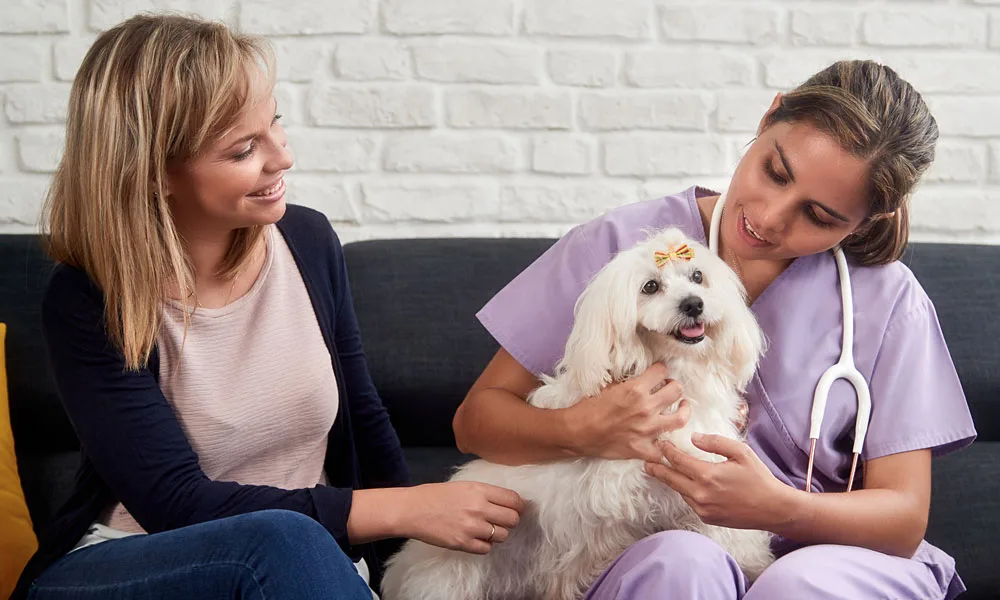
(688, 566)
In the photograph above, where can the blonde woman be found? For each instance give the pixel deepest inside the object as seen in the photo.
(204, 343)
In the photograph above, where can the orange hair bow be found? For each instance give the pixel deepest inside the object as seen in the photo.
(682, 252)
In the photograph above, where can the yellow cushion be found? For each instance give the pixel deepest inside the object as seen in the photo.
(18, 542)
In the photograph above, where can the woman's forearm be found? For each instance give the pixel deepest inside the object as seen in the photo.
(884, 520)
(500, 427)
(376, 514)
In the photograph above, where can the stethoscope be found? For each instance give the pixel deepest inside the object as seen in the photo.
(843, 369)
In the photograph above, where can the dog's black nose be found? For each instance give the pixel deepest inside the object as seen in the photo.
(692, 306)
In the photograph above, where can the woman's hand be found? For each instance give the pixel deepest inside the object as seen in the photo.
(625, 419)
(740, 493)
(461, 515)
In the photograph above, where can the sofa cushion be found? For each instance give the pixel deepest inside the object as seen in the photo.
(965, 516)
(18, 541)
(431, 464)
(963, 283)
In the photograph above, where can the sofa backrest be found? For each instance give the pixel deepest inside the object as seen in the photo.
(417, 309)
(416, 302)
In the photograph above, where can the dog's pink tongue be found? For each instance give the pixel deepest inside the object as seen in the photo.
(694, 331)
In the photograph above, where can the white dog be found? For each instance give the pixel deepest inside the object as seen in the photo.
(667, 299)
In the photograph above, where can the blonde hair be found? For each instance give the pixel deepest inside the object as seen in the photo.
(153, 91)
(877, 116)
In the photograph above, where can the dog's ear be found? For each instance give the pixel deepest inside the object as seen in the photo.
(741, 343)
(604, 344)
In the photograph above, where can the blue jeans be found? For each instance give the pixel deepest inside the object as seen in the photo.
(272, 554)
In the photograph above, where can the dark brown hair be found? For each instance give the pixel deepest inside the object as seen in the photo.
(878, 117)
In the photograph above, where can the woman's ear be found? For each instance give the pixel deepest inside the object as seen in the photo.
(176, 174)
(770, 111)
(164, 189)
(863, 228)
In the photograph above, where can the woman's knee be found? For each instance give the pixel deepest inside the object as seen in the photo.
(281, 523)
(290, 551)
(669, 563)
(831, 572)
(806, 572)
(286, 533)
(683, 550)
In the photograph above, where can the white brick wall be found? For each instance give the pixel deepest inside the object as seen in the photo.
(523, 117)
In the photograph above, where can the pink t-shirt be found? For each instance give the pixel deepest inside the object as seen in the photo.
(253, 388)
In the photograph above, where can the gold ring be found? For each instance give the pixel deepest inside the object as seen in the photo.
(493, 531)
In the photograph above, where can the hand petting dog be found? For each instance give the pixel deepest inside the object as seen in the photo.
(740, 493)
(625, 420)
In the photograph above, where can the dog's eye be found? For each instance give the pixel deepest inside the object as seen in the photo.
(651, 287)
(696, 276)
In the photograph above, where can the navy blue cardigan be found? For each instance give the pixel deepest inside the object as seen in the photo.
(135, 451)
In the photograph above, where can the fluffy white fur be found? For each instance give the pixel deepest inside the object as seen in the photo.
(582, 513)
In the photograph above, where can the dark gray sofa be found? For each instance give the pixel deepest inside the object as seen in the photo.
(416, 301)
